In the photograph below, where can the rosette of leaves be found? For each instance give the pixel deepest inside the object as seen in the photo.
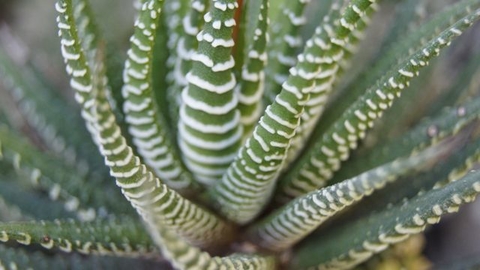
(230, 140)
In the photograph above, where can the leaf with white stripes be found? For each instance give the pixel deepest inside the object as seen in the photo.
(94, 46)
(400, 50)
(184, 256)
(146, 125)
(286, 41)
(246, 16)
(324, 158)
(337, 46)
(209, 127)
(457, 165)
(249, 181)
(182, 43)
(351, 244)
(428, 132)
(153, 200)
(16, 258)
(119, 238)
(296, 220)
(251, 86)
(87, 28)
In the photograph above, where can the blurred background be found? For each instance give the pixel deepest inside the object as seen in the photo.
(33, 22)
(27, 28)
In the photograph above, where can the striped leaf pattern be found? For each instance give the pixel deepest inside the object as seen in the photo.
(354, 39)
(119, 238)
(317, 167)
(183, 45)
(300, 217)
(456, 166)
(251, 86)
(93, 45)
(173, 12)
(15, 258)
(318, 96)
(87, 28)
(209, 126)
(386, 228)
(226, 140)
(184, 256)
(250, 180)
(146, 126)
(333, 56)
(395, 53)
(286, 41)
(153, 200)
(429, 132)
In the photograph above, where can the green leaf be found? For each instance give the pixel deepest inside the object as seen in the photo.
(184, 256)
(119, 238)
(428, 132)
(396, 120)
(251, 86)
(10, 212)
(146, 125)
(185, 26)
(399, 51)
(458, 163)
(163, 56)
(16, 258)
(249, 182)
(352, 244)
(95, 49)
(286, 40)
(87, 28)
(247, 16)
(291, 223)
(334, 56)
(153, 200)
(209, 127)
(325, 157)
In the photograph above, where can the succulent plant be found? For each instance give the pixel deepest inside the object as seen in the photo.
(230, 140)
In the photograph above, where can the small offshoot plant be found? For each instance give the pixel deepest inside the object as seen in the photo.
(228, 137)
